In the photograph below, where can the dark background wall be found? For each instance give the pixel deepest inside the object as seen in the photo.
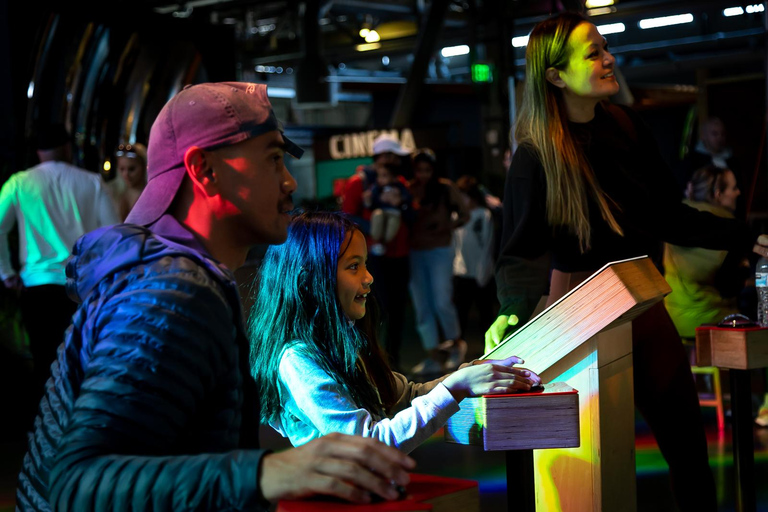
(103, 68)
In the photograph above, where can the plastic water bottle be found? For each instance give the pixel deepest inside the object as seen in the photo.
(761, 284)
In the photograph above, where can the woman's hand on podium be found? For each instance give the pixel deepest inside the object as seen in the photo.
(490, 377)
(495, 332)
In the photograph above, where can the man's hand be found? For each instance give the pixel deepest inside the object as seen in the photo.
(14, 283)
(348, 467)
(495, 332)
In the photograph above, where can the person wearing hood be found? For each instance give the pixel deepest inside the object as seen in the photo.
(711, 149)
(150, 405)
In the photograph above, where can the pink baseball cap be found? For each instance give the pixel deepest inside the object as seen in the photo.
(210, 116)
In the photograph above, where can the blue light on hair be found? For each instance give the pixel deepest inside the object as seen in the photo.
(296, 303)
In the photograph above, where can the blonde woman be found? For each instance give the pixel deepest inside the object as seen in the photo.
(587, 185)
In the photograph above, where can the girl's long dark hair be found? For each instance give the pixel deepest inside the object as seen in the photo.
(296, 304)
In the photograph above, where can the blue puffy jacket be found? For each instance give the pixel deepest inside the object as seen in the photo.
(145, 405)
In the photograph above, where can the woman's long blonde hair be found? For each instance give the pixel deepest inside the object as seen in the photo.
(542, 125)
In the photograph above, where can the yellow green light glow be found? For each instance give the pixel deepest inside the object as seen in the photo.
(552, 492)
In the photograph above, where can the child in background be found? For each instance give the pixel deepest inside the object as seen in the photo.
(388, 199)
(315, 356)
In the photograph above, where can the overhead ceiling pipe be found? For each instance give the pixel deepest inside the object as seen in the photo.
(312, 86)
(429, 34)
(370, 7)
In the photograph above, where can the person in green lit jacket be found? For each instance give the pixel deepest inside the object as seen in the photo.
(705, 282)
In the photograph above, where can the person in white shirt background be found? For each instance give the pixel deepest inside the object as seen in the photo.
(53, 204)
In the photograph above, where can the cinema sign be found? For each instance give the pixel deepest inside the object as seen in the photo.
(359, 145)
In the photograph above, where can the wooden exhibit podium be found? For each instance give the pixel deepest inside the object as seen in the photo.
(585, 341)
(739, 350)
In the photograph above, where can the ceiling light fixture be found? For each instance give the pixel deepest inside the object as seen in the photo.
(367, 47)
(520, 41)
(665, 21)
(611, 28)
(372, 36)
(281, 92)
(591, 4)
(454, 51)
(600, 11)
(733, 11)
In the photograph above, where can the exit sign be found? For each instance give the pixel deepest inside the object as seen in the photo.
(482, 72)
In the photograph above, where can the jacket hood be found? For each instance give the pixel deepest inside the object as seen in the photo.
(725, 154)
(110, 249)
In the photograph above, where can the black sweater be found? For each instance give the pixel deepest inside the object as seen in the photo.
(646, 203)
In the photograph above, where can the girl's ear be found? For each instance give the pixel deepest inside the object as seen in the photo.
(553, 76)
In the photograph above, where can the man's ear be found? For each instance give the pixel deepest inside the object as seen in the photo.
(553, 76)
(198, 164)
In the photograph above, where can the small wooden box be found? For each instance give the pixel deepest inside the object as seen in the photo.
(523, 421)
(732, 348)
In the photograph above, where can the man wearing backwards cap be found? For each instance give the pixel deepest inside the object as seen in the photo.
(151, 405)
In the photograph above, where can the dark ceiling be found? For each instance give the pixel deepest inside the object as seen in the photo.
(108, 67)
(278, 34)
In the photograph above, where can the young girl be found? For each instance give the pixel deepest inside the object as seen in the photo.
(315, 356)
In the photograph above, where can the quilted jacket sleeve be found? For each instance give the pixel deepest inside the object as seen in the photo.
(155, 420)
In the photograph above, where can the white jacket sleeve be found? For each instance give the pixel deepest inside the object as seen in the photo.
(485, 264)
(106, 208)
(313, 399)
(7, 221)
